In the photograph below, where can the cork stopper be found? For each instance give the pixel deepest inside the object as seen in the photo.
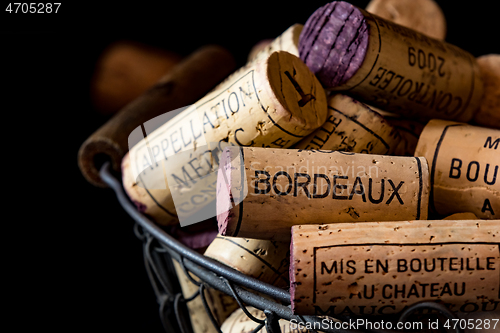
(172, 172)
(268, 190)
(287, 41)
(461, 216)
(225, 181)
(464, 163)
(334, 42)
(354, 127)
(488, 113)
(220, 304)
(381, 268)
(261, 259)
(390, 66)
(258, 48)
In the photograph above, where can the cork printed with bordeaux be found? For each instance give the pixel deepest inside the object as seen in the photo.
(261, 192)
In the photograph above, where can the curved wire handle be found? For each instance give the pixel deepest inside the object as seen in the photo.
(240, 303)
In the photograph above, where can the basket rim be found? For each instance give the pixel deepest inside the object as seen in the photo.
(219, 275)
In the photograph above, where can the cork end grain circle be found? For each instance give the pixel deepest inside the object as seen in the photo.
(297, 89)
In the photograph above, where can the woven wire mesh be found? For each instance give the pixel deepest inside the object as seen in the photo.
(159, 249)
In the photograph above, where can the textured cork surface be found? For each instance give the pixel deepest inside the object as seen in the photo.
(464, 163)
(334, 42)
(424, 16)
(354, 127)
(376, 268)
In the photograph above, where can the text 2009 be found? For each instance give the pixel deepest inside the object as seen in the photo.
(32, 7)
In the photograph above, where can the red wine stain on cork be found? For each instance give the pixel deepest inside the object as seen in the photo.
(224, 196)
(334, 42)
(291, 269)
(140, 206)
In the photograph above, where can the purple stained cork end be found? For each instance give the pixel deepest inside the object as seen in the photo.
(334, 42)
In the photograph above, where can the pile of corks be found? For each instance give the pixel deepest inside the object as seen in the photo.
(344, 159)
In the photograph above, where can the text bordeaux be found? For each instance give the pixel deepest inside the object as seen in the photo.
(303, 184)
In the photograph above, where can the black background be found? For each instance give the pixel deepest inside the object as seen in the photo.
(70, 253)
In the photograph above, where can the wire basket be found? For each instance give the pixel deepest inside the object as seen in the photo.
(159, 248)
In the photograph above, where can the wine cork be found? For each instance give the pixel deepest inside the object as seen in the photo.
(287, 41)
(184, 84)
(372, 268)
(489, 110)
(221, 304)
(261, 259)
(388, 65)
(239, 322)
(262, 192)
(464, 162)
(125, 70)
(424, 16)
(354, 127)
(272, 103)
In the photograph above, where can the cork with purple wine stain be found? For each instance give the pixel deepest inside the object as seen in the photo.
(334, 42)
(389, 66)
(263, 192)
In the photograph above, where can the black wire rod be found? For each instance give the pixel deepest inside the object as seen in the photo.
(218, 275)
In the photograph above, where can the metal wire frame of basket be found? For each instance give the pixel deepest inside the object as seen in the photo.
(159, 248)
